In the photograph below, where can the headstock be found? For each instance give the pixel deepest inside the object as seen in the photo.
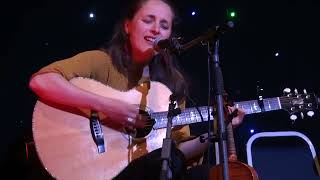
(299, 103)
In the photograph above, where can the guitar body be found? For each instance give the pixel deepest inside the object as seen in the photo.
(65, 145)
(237, 171)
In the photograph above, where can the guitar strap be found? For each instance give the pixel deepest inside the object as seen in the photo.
(146, 74)
(144, 86)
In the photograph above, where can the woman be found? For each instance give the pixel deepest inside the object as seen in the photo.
(123, 64)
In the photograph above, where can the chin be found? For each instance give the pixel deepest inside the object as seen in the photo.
(148, 53)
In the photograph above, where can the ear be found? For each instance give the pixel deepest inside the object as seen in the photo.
(127, 26)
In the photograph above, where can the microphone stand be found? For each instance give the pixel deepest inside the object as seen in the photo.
(211, 38)
(213, 56)
(166, 172)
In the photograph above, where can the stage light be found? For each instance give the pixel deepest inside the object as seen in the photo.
(91, 15)
(251, 131)
(193, 13)
(276, 54)
(231, 14)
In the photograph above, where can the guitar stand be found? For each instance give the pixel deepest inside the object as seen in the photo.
(166, 172)
(214, 137)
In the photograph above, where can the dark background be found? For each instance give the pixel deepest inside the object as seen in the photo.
(36, 33)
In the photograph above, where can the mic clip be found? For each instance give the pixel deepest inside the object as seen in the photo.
(172, 45)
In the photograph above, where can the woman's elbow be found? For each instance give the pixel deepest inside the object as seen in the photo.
(36, 84)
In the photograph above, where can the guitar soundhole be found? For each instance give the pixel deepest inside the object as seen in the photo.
(141, 132)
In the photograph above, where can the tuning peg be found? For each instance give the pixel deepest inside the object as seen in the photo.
(302, 115)
(310, 113)
(293, 117)
(286, 91)
(295, 91)
(305, 91)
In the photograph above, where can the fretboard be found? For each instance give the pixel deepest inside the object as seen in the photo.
(191, 115)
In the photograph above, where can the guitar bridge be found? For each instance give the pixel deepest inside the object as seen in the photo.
(96, 131)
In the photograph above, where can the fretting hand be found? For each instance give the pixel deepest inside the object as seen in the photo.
(238, 117)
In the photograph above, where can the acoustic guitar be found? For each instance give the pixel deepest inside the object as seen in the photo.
(72, 143)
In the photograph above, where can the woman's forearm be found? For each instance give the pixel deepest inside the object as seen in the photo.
(193, 148)
(54, 88)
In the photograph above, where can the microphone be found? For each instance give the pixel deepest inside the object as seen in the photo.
(224, 27)
(170, 44)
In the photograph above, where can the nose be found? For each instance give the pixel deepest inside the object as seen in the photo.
(155, 29)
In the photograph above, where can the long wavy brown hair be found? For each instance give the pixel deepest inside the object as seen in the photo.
(163, 68)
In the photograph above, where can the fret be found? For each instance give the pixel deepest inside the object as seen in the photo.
(271, 104)
(178, 120)
(197, 119)
(279, 103)
(175, 121)
(268, 105)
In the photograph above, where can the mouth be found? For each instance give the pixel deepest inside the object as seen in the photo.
(150, 39)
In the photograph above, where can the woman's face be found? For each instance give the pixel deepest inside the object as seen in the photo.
(153, 20)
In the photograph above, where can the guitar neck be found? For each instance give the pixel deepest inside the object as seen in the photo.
(230, 141)
(191, 115)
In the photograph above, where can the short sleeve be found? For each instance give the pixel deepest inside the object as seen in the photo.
(91, 64)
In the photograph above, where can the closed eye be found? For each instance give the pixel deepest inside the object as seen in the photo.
(164, 25)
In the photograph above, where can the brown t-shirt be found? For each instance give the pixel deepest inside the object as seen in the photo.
(98, 65)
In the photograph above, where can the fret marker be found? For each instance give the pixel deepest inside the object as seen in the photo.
(198, 118)
(255, 106)
(178, 120)
(162, 121)
(192, 116)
